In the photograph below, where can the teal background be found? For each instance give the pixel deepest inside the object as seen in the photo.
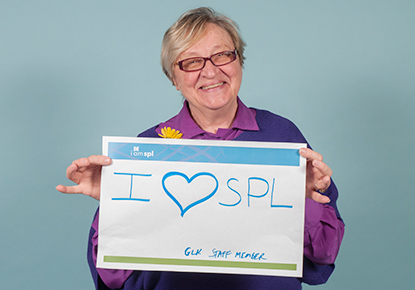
(73, 71)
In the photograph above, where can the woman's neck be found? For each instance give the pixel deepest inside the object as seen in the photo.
(212, 120)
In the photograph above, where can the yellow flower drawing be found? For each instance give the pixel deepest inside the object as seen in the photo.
(170, 133)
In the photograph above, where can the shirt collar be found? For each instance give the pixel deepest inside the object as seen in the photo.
(244, 120)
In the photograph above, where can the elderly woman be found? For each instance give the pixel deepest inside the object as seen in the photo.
(203, 56)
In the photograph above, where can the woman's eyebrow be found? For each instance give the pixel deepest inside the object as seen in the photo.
(219, 48)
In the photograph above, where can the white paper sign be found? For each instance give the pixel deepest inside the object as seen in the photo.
(202, 206)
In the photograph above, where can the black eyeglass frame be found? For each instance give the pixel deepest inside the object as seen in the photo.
(234, 53)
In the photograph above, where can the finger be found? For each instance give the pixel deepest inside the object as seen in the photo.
(68, 189)
(322, 167)
(75, 189)
(91, 160)
(99, 160)
(75, 166)
(81, 163)
(319, 197)
(323, 184)
(310, 154)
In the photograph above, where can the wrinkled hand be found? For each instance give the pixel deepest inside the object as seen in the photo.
(318, 176)
(86, 172)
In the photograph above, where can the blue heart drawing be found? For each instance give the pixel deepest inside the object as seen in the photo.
(189, 180)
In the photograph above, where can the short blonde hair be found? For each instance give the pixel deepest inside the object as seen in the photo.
(188, 29)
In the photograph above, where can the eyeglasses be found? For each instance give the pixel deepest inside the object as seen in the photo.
(198, 63)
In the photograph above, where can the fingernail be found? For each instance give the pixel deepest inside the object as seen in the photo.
(107, 160)
(316, 162)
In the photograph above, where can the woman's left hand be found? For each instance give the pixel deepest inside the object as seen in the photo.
(318, 176)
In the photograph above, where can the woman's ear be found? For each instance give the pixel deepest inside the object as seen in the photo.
(175, 84)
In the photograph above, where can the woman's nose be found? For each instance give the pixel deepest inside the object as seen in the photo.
(210, 70)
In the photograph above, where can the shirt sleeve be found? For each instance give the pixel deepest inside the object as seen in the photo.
(323, 233)
(111, 277)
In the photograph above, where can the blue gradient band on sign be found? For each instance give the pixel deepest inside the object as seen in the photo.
(204, 154)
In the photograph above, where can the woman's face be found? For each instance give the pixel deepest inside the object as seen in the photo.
(212, 88)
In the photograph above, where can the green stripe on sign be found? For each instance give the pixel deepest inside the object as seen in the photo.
(204, 263)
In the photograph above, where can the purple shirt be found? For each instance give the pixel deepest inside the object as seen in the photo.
(323, 231)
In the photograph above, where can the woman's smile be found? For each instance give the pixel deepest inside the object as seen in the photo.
(208, 87)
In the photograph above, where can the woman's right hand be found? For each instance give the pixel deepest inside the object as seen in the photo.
(86, 173)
